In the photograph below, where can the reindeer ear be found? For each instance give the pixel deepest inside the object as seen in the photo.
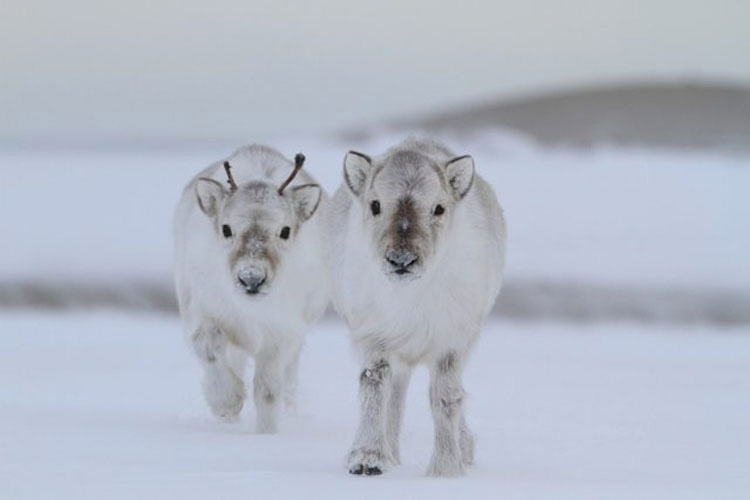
(460, 175)
(306, 199)
(356, 166)
(210, 194)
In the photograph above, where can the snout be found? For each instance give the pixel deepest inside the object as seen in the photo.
(401, 260)
(251, 279)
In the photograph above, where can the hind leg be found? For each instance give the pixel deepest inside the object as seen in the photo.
(223, 387)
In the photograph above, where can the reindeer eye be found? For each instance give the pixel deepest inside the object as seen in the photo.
(439, 210)
(226, 230)
(375, 207)
(284, 234)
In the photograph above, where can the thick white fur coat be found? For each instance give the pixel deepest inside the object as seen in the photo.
(441, 311)
(416, 249)
(225, 325)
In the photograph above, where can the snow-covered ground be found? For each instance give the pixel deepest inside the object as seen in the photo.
(107, 405)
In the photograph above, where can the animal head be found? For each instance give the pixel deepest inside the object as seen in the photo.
(408, 201)
(257, 224)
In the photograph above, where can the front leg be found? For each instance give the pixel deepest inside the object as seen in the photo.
(370, 453)
(466, 441)
(223, 388)
(291, 377)
(268, 383)
(399, 384)
(446, 401)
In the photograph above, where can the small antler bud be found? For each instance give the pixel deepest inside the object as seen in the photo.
(230, 179)
(299, 160)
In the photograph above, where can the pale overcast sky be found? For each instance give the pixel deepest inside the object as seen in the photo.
(251, 69)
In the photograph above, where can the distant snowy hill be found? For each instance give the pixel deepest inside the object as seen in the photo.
(669, 115)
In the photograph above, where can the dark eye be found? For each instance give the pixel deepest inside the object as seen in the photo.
(284, 234)
(439, 210)
(375, 207)
(226, 230)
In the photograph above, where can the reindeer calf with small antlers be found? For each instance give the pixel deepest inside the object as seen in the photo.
(250, 276)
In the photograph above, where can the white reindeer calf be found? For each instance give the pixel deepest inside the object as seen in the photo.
(416, 252)
(250, 276)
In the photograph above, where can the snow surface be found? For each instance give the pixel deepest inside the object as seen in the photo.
(108, 405)
(605, 216)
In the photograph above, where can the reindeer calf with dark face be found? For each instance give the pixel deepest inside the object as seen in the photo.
(416, 253)
(250, 276)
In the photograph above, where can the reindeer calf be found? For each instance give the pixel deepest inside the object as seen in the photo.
(416, 249)
(250, 276)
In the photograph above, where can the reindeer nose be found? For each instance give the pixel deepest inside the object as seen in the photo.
(251, 278)
(401, 259)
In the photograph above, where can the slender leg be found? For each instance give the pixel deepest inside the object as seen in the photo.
(268, 383)
(446, 400)
(236, 359)
(370, 453)
(395, 412)
(291, 377)
(223, 389)
(466, 441)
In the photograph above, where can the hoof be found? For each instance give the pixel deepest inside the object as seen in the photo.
(225, 395)
(373, 471)
(364, 470)
(367, 462)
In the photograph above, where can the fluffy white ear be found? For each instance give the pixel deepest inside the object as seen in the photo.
(356, 166)
(306, 199)
(210, 194)
(460, 174)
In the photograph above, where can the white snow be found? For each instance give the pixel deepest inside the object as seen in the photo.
(607, 216)
(107, 405)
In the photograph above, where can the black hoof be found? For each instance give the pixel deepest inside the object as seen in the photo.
(373, 471)
(357, 469)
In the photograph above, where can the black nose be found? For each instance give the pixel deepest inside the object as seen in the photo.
(401, 259)
(251, 280)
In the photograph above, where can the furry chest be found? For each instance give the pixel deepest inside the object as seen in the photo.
(414, 326)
